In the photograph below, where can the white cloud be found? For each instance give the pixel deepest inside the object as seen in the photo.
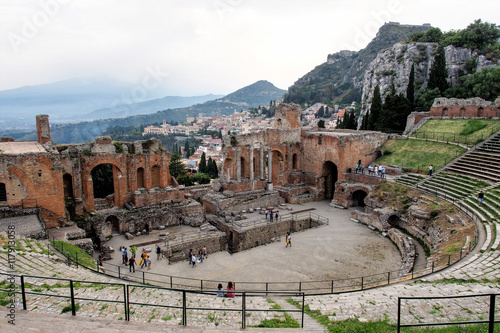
(212, 46)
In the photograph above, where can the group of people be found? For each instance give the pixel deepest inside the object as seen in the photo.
(202, 254)
(131, 261)
(272, 215)
(373, 169)
(229, 292)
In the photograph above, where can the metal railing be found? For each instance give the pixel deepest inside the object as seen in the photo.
(491, 316)
(469, 140)
(131, 295)
(313, 217)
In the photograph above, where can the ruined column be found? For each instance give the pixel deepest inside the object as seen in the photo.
(238, 165)
(269, 169)
(228, 175)
(251, 163)
(261, 162)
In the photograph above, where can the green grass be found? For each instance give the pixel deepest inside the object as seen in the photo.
(469, 131)
(72, 250)
(416, 154)
(279, 322)
(67, 308)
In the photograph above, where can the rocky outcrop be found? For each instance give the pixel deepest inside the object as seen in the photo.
(392, 66)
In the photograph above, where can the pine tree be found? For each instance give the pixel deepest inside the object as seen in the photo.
(438, 72)
(203, 163)
(375, 109)
(176, 166)
(410, 90)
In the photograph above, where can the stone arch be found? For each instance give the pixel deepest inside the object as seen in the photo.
(115, 223)
(480, 112)
(329, 173)
(140, 178)
(278, 167)
(462, 112)
(3, 192)
(68, 185)
(358, 198)
(445, 112)
(294, 162)
(24, 179)
(394, 221)
(102, 180)
(243, 167)
(155, 176)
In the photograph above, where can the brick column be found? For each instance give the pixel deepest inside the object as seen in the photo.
(261, 163)
(238, 165)
(251, 163)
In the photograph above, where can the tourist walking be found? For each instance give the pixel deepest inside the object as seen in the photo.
(229, 289)
(144, 257)
(158, 252)
(131, 264)
(205, 252)
(480, 197)
(430, 169)
(133, 249)
(148, 262)
(276, 215)
(180, 219)
(193, 260)
(266, 213)
(147, 228)
(190, 256)
(271, 216)
(288, 240)
(200, 255)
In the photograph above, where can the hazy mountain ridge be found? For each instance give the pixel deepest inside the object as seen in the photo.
(258, 93)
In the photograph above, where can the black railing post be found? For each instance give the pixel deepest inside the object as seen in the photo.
(412, 271)
(119, 276)
(399, 315)
(388, 278)
(362, 282)
(491, 323)
(303, 309)
(72, 291)
(201, 284)
(184, 310)
(243, 311)
(300, 286)
(23, 293)
(267, 287)
(143, 279)
(125, 302)
(171, 282)
(449, 259)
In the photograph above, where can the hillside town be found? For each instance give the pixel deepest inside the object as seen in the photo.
(245, 122)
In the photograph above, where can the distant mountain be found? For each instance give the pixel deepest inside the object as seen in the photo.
(340, 79)
(167, 102)
(259, 93)
(84, 99)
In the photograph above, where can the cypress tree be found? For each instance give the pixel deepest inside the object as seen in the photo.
(410, 90)
(203, 163)
(438, 73)
(176, 166)
(375, 109)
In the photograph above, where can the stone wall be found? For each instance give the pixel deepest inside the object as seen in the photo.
(214, 242)
(467, 108)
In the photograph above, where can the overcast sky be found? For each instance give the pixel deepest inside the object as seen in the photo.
(195, 47)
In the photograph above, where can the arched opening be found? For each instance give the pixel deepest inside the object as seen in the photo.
(254, 167)
(155, 176)
(68, 185)
(358, 198)
(243, 168)
(294, 161)
(3, 192)
(394, 221)
(330, 175)
(227, 166)
(445, 112)
(115, 223)
(462, 112)
(279, 122)
(102, 179)
(480, 112)
(277, 167)
(140, 178)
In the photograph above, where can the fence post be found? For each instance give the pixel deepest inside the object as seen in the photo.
(399, 314)
(184, 311)
(362, 282)
(449, 259)
(332, 287)
(300, 286)
(388, 278)
(267, 287)
(72, 291)
(492, 313)
(143, 279)
(23, 293)
(201, 284)
(125, 302)
(303, 308)
(243, 311)
(171, 283)
(119, 272)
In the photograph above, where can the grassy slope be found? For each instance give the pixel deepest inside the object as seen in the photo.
(455, 129)
(418, 153)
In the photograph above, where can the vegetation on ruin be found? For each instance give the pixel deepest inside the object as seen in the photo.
(452, 129)
(418, 154)
(74, 252)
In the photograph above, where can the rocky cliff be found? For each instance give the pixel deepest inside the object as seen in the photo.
(341, 77)
(393, 66)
